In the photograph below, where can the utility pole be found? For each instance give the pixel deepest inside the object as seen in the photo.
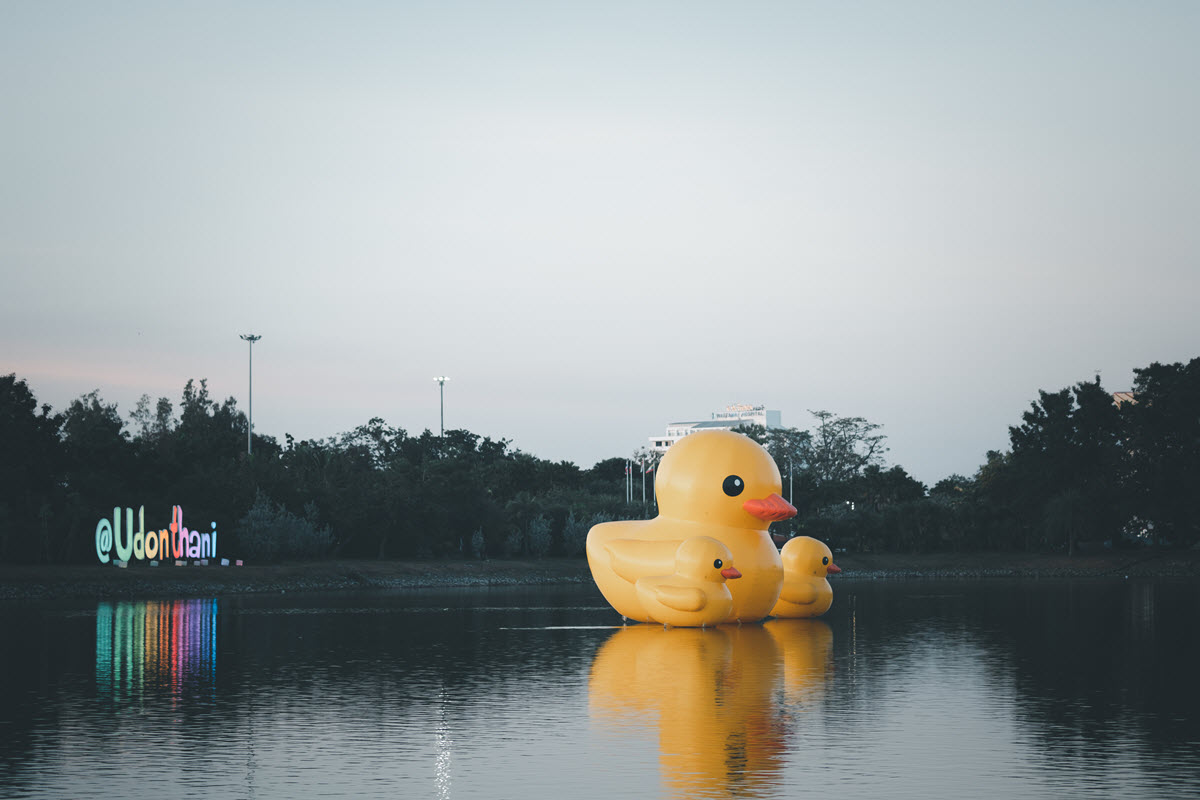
(441, 381)
(251, 338)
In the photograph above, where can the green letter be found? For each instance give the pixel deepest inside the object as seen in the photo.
(126, 550)
(103, 540)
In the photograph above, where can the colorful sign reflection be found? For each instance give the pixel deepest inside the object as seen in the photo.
(156, 646)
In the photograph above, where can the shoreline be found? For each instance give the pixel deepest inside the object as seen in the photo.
(97, 581)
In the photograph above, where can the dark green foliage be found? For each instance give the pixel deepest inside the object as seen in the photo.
(1163, 447)
(1079, 469)
(30, 486)
(269, 532)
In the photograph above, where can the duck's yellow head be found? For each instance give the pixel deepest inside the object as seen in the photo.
(704, 558)
(805, 555)
(723, 478)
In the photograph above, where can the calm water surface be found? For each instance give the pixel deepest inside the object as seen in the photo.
(1001, 689)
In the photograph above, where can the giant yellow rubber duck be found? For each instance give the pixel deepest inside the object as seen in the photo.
(718, 484)
(695, 595)
(806, 591)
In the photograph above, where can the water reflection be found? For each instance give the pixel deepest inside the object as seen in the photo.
(718, 697)
(906, 689)
(148, 646)
(445, 749)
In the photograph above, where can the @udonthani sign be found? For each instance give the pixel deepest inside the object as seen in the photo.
(173, 541)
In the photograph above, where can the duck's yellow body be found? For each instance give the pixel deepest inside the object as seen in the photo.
(715, 484)
(806, 591)
(695, 595)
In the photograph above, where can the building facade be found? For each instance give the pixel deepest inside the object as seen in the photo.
(730, 418)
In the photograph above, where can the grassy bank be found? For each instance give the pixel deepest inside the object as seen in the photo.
(1132, 563)
(32, 582)
(100, 581)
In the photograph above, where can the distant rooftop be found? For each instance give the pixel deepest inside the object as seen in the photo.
(732, 417)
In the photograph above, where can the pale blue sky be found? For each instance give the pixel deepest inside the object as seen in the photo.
(600, 218)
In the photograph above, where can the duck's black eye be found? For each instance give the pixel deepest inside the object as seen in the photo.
(718, 563)
(733, 485)
(825, 561)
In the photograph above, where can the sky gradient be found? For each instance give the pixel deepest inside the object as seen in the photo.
(599, 218)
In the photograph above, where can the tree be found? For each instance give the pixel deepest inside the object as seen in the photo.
(152, 426)
(791, 448)
(877, 488)
(1066, 466)
(953, 489)
(98, 462)
(269, 532)
(1163, 444)
(29, 475)
(606, 477)
(840, 448)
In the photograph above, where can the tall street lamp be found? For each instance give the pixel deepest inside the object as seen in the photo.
(441, 381)
(251, 338)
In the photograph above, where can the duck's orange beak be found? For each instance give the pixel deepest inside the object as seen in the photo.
(832, 569)
(771, 509)
(730, 573)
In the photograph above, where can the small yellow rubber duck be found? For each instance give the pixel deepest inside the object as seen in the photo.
(714, 483)
(695, 596)
(806, 592)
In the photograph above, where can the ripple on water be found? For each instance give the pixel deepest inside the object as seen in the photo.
(901, 692)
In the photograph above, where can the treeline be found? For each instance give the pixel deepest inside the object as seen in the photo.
(374, 492)
(1084, 469)
(1080, 469)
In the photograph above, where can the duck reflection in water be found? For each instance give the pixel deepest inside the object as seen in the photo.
(719, 697)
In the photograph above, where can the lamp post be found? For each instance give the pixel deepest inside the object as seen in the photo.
(251, 338)
(441, 381)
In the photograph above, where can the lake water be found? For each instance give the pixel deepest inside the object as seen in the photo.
(947, 689)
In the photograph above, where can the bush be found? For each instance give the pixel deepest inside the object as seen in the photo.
(575, 533)
(539, 537)
(478, 545)
(270, 532)
(512, 543)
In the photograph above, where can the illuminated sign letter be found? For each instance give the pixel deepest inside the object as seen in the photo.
(152, 545)
(124, 551)
(177, 545)
(103, 539)
(121, 543)
(139, 538)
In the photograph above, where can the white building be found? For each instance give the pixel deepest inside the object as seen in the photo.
(730, 418)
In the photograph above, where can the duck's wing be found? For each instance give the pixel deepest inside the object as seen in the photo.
(638, 558)
(801, 593)
(680, 598)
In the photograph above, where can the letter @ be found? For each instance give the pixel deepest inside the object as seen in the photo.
(104, 540)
